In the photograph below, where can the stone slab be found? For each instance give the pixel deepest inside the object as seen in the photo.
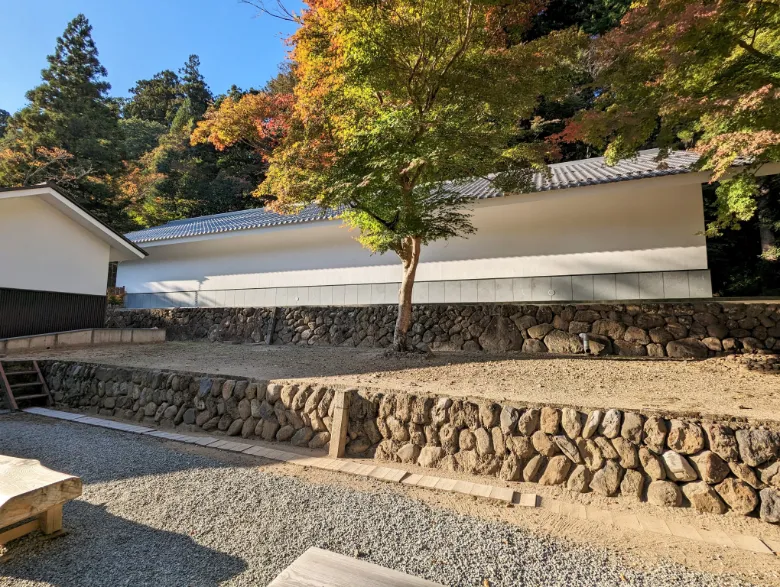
(464, 487)
(238, 447)
(716, 537)
(750, 543)
(220, 444)
(480, 490)
(427, 481)
(396, 476)
(684, 531)
(529, 500)
(774, 545)
(445, 484)
(504, 494)
(626, 521)
(655, 525)
(597, 515)
(574, 510)
(364, 470)
(552, 505)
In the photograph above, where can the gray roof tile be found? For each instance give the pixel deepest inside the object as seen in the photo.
(562, 175)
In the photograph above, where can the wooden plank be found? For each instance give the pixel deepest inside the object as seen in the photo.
(340, 426)
(321, 568)
(28, 489)
(19, 531)
(49, 398)
(7, 386)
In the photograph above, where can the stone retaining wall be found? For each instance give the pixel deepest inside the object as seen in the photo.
(676, 330)
(666, 460)
(251, 408)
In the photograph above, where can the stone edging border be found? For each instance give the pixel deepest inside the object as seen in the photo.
(81, 338)
(641, 523)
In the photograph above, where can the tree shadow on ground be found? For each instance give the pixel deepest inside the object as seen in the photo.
(71, 448)
(102, 549)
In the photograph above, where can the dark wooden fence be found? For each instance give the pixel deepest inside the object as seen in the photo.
(24, 312)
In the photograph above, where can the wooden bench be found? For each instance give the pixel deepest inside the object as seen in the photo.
(30, 490)
(321, 568)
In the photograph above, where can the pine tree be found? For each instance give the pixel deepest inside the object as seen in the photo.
(194, 87)
(71, 120)
(4, 116)
(156, 99)
(71, 108)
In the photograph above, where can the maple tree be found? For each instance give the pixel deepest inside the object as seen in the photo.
(19, 167)
(701, 74)
(396, 103)
(257, 120)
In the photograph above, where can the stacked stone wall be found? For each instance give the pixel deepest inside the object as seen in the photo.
(713, 466)
(251, 408)
(694, 330)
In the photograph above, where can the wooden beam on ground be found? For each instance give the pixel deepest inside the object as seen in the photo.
(321, 568)
(338, 436)
(19, 531)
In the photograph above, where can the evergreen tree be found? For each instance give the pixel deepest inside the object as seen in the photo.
(69, 132)
(194, 87)
(71, 108)
(156, 99)
(140, 136)
(4, 116)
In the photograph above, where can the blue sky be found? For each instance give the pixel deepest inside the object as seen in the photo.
(139, 38)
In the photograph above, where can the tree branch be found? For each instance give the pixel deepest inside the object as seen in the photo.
(388, 225)
(758, 54)
(281, 11)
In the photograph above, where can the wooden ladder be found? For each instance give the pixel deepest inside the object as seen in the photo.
(23, 382)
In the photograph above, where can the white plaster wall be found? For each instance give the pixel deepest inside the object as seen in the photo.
(630, 227)
(42, 249)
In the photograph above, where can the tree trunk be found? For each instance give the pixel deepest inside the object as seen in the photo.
(410, 256)
(766, 234)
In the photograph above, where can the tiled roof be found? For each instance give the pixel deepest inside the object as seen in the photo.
(228, 222)
(562, 175)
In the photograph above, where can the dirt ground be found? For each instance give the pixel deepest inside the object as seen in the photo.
(709, 388)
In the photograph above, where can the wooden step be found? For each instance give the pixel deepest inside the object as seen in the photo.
(23, 368)
(20, 385)
(34, 396)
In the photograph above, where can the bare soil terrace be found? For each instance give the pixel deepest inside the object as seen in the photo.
(713, 387)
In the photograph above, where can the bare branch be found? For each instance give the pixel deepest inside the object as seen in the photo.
(280, 11)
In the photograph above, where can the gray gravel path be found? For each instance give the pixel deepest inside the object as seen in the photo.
(153, 516)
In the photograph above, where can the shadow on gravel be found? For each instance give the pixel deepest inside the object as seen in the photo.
(97, 455)
(103, 549)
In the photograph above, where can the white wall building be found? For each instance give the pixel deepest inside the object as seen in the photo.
(54, 260)
(588, 232)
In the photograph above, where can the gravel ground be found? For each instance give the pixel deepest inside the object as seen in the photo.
(714, 387)
(152, 515)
